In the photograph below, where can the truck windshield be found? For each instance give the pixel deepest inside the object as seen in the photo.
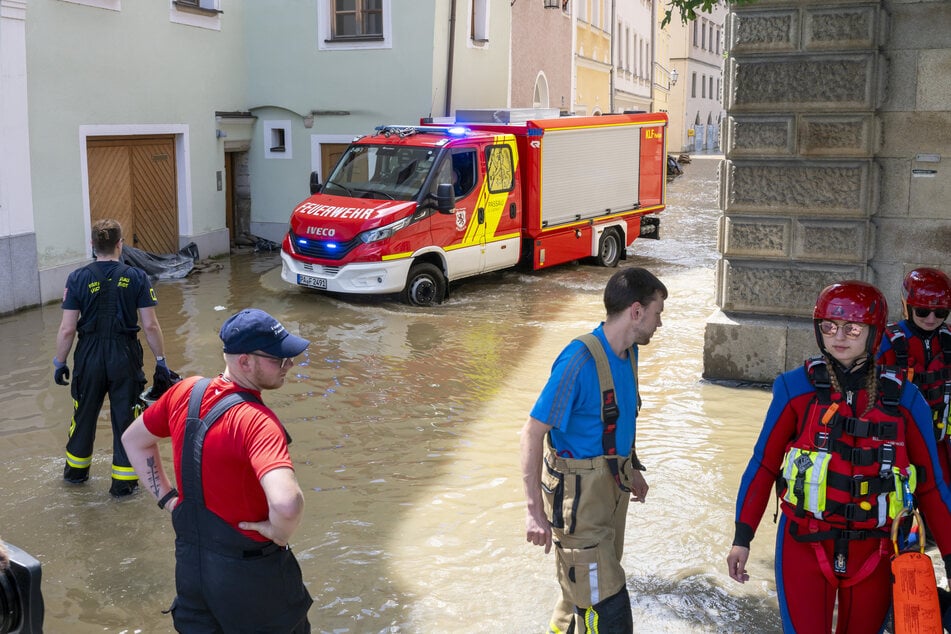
(381, 171)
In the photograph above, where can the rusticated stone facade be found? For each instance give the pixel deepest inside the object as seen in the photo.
(837, 144)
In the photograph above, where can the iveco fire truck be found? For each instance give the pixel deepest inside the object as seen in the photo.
(411, 208)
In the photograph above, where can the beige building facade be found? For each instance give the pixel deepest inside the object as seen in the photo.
(592, 61)
(697, 56)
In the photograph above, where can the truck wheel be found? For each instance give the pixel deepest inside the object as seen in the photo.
(609, 249)
(425, 285)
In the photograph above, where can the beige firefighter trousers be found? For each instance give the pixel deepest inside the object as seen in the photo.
(588, 513)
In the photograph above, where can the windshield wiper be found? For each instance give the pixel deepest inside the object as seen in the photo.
(379, 191)
(344, 188)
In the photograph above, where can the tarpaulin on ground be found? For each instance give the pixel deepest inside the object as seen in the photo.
(162, 267)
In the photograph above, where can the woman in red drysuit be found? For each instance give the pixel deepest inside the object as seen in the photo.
(847, 445)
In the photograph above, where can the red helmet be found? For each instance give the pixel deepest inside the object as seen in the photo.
(927, 288)
(854, 301)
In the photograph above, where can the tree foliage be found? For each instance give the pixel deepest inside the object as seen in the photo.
(688, 9)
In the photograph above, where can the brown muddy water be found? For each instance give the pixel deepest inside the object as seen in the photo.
(405, 426)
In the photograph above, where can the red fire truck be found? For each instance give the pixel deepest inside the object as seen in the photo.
(411, 208)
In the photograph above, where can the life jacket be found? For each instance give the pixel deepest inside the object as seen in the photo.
(609, 408)
(928, 368)
(849, 471)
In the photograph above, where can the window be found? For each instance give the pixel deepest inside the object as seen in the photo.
(693, 85)
(204, 5)
(277, 140)
(460, 170)
(712, 94)
(696, 35)
(499, 171)
(354, 24)
(358, 19)
(703, 88)
(703, 36)
(479, 31)
(205, 14)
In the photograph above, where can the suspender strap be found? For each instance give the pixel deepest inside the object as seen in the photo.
(609, 408)
(899, 344)
(107, 302)
(195, 430)
(818, 373)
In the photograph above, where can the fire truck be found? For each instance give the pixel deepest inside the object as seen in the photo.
(411, 208)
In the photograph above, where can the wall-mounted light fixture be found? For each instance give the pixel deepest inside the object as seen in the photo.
(674, 76)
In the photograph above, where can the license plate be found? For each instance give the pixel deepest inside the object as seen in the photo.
(312, 282)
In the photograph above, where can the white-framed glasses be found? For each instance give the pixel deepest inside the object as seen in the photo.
(851, 329)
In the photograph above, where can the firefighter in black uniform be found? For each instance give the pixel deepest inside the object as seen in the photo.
(103, 302)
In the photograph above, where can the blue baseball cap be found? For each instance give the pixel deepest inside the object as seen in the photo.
(253, 329)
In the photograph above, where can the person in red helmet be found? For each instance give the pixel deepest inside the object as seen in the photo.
(921, 342)
(847, 446)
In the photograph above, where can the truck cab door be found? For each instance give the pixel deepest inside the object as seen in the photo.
(462, 233)
(499, 205)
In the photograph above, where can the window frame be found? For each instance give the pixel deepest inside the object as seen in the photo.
(479, 21)
(325, 30)
(360, 12)
(489, 164)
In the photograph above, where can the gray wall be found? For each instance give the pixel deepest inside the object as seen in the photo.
(831, 106)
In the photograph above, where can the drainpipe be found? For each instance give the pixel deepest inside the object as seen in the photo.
(654, 35)
(613, 44)
(452, 49)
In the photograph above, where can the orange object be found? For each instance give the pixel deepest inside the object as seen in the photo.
(830, 413)
(914, 589)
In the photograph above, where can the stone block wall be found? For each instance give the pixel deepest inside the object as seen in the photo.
(837, 147)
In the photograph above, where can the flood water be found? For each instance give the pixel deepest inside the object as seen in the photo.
(405, 424)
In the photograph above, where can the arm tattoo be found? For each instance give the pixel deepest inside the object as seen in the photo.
(153, 476)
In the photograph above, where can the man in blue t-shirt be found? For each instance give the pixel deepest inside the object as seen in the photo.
(579, 461)
(103, 303)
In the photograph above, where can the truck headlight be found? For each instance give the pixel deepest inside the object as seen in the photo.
(382, 233)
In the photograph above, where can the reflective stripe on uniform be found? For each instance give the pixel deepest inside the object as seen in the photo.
(591, 620)
(123, 473)
(593, 583)
(78, 463)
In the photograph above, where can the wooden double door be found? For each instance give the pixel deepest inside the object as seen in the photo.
(132, 179)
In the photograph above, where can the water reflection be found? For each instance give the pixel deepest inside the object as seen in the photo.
(405, 426)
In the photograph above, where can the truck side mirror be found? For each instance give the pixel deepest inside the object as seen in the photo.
(445, 198)
(314, 183)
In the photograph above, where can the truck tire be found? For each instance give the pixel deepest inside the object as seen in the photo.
(609, 249)
(425, 285)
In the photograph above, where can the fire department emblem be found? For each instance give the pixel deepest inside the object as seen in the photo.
(460, 219)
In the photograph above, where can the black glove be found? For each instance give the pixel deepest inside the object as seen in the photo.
(61, 373)
(162, 379)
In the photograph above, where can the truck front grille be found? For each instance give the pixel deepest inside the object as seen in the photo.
(323, 249)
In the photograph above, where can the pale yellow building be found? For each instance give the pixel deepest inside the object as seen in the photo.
(592, 65)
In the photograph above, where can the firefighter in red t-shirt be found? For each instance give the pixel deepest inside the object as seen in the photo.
(240, 501)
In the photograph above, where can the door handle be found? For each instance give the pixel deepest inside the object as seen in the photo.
(481, 215)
